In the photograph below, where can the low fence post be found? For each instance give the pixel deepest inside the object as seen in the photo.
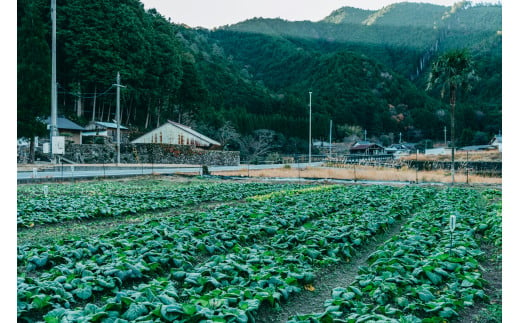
(417, 166)
(467, 167)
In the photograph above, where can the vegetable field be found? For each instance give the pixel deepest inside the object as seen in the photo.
(258, 247)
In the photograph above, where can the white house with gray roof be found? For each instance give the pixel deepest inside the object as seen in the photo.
(174, 133)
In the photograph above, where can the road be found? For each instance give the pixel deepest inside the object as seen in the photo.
(67, 172)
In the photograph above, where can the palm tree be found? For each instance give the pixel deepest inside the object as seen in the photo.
(452, 71)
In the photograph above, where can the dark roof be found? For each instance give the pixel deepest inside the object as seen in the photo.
(401, 146)
(110, 125)
(64, 123)
(366, 146)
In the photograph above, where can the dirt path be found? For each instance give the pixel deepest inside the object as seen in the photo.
(340, 275)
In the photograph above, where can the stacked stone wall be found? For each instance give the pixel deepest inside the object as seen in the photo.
(150, 154)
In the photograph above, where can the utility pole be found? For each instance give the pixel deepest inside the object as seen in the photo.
(118, 119)
(310, 116)
(400, 137)
(54, 93)
(445, 141)
(330, 138)
(365, 135)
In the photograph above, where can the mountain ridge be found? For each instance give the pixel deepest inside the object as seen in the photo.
(403, 49)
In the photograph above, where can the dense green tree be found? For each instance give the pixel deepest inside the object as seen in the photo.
(33, 70)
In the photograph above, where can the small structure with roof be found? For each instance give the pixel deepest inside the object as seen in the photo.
(107, 130)
(366, 148)
(400, 149)
(72, 131)
(174, 133)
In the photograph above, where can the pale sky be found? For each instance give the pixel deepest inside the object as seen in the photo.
(215, 13)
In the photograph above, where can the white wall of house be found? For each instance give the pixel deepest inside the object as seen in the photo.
(169, 134)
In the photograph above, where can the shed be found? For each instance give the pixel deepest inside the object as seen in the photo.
(67, 128)
(399, 149)
(106, 129)
(174, 133)
(366, 148)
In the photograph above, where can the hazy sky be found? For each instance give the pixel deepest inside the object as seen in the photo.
(215, 13)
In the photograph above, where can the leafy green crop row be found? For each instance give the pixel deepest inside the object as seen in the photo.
(222, 265)
(424, 274)
(88, 200)
(266, 250)
(137, 253)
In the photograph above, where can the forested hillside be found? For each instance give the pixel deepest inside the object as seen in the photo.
(366, 69)
(404, 38)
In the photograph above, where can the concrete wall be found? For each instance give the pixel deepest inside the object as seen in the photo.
(150, 153)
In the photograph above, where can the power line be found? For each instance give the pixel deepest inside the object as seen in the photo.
(88, 96)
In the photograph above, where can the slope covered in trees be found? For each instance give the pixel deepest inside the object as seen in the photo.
(365, 69)
(404, 38)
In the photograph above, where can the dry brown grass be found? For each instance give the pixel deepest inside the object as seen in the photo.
(493, 155)
(363, 173)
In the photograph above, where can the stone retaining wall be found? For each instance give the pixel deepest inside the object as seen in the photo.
(150, 153)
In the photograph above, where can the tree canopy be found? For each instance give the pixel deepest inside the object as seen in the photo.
(365, 70)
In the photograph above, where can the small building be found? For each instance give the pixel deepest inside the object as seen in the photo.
(70, 130)
(400, 149)
(321, 144)
(174, 133)
(366, 148)
(107, 130)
